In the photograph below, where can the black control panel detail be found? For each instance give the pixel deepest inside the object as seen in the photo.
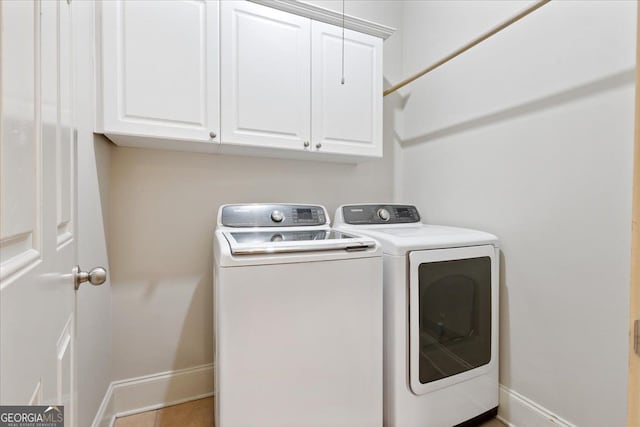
(380, 214)
(273, 215)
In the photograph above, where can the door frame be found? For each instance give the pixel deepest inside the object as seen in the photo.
(436, 255)
(633, 411)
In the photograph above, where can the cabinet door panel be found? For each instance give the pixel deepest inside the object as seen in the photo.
(265, 76)
(346, 118)
(160, 67)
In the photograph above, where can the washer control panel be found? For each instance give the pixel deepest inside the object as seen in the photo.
(380, 214)
(273, 215)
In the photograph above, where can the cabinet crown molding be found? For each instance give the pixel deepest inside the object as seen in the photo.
(329, 16)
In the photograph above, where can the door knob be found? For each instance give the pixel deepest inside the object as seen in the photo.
(96, 276)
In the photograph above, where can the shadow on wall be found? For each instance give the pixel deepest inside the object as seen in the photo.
(504, 339)
(102, 149)
(196, 320)
(395, 99)
(611, 82)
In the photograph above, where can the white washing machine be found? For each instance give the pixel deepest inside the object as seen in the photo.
(297, 320)
(440, 316)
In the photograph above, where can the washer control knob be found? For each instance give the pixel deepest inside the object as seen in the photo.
(384, 214)
(277, 216)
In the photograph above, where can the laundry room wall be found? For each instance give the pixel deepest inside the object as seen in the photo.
(529, 135)
(163, 207)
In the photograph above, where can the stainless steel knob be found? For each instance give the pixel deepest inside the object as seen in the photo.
(277, 216)
(384, 214)
(318, 146)
(306, 144)
(212, 134)
(96, 276)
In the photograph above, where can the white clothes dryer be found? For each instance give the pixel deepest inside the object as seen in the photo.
(440, 316)
(297, 320)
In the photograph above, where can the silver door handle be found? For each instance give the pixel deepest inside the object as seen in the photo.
(96, 276)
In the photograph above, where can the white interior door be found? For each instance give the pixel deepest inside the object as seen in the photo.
(38, 193)
(633, 407)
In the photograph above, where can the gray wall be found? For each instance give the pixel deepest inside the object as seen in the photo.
(530, 136)
(163, 209)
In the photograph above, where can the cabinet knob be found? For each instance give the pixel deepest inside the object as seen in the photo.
(318, 146)
(306, 144)
(212, 134)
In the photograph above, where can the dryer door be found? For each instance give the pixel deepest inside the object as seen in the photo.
(453, 315)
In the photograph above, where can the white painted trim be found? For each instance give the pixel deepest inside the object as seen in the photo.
(105, 416)
(518, 411)
(155, 391)
(329, 16)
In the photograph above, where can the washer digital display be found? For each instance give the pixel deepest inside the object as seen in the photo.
(304, 213)
(403, 213)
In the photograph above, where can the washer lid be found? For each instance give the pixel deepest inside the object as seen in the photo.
(398, 240)
(283, 241)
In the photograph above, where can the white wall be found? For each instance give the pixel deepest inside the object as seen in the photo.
(530, 136)
(93, 304)
(163, 209)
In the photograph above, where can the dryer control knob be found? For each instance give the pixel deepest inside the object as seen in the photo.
(384, 214)
(277, 216)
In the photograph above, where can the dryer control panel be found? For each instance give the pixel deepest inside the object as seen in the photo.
(273, 215)
(380, 214)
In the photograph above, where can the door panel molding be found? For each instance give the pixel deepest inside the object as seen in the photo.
(20, 117)
(65, 141)
(65, 370)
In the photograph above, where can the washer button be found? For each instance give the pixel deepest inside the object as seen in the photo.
(277, 216)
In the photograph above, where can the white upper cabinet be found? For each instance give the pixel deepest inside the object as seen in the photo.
(240, 77)
(266, 76)
(346, 118)
(160, 70)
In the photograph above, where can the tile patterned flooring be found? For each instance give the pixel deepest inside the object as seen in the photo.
(198, 413)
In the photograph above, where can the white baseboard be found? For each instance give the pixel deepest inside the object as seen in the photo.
(149, 392)
(518, 411)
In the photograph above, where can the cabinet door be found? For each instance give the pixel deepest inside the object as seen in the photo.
(160, 68)
(346, 118)
(265, 76)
